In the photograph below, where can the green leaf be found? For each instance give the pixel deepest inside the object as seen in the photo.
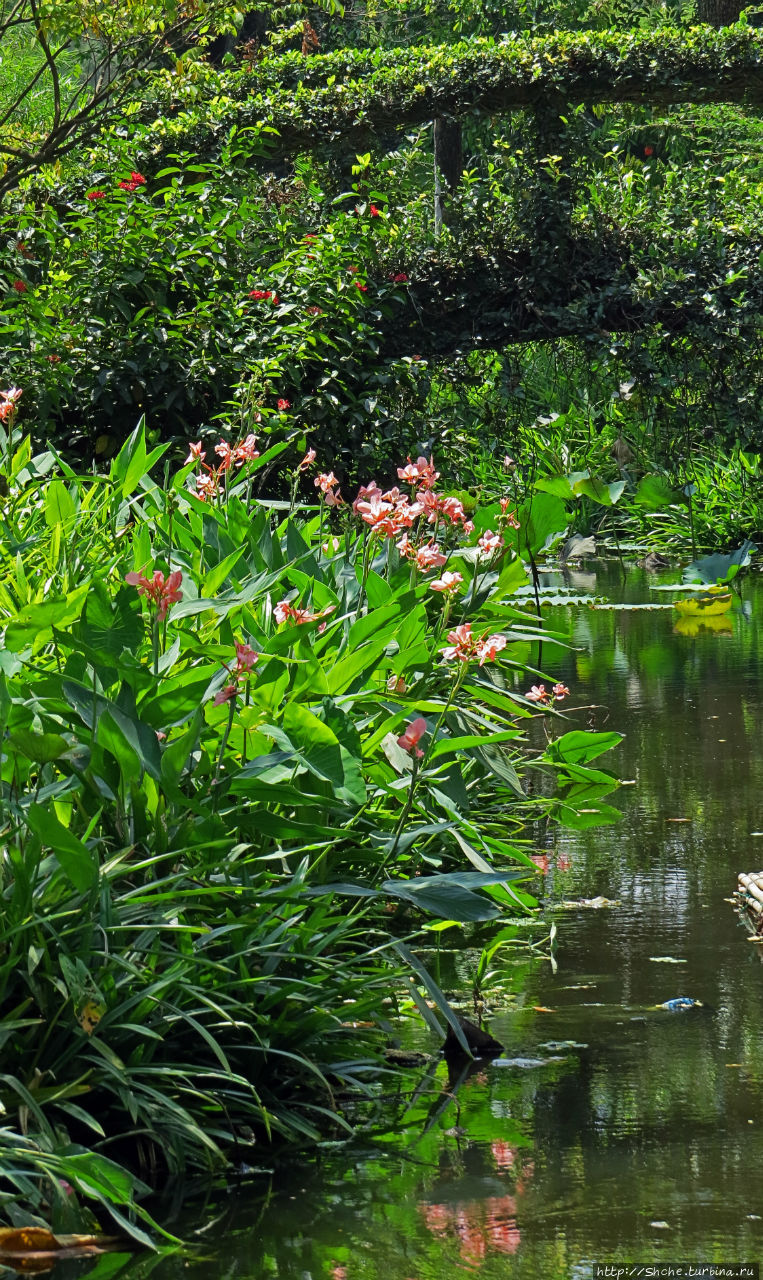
(40, 747)
(579, 746)
(33, 624)
(74, 857)
(655, 493)
(717, 569)
(59, 507)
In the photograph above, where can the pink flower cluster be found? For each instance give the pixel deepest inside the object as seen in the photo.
(8, 401)
(464, 647)
(208, 478)
(539, 693)
(160, 592)
(285, 612)
(245, 660)
(391, 513)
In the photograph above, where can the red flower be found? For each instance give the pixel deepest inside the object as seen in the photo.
(398, 277)
(648, 151)
(363, 287)
(129, 186)
(20, 286)
(96, 195)
(137, 178)
(260, 295)
(374, 211)
(54, 359)
(283, 405)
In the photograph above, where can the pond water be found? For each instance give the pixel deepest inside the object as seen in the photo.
(642, 1140)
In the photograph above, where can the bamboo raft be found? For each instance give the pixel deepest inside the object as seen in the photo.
(749, 902)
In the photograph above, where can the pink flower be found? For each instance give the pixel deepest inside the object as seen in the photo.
(245, 451)
(225, 453)
(333, 498)
(414, 732)
(509, 463)
(207, 485)
(285, 612)
(419, 472)
(508, 516)
(371, 490)
(160, 592)
(489, 647)
(453, 509)
(396, 684)
(325, 481)
(462, 644)
(12, 395)
(537, 694)
(195, 453)
(283, 405)
(246, 657)
(95, 195)
(430, 557)
(376, 512)
(490, 542)
(308, 459)
(448, 582)
(560, 691)
(226, 694)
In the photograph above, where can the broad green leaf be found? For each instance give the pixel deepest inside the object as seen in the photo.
(74, 857)
(579, 746)
(59, 507)
(655, 493)
(719, 568)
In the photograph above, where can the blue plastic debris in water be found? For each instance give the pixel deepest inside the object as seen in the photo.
(681, 1002)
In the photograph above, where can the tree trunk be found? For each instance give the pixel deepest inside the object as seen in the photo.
(448, 162)
(719, 13)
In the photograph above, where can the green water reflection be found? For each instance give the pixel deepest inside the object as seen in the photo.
(644, 1142)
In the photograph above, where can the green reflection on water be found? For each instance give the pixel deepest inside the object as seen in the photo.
(531, 1171)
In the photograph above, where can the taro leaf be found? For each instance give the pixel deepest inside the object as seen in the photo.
(74, 857)
(719, 568)
(111, 626)
(542, 520)
(559, 485)
(655, 493)
(579, 746)
(40, 747)
(599, 491)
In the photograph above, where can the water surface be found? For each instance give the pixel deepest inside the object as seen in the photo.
(641, 1141)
